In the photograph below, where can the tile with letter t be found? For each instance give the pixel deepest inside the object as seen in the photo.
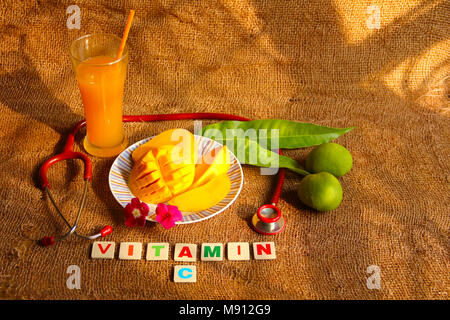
(185, 252)
(130, 251)
(264, 250)
(185, 274)
(157, 251)
(212, 252)
(238, 250)
(103, 250)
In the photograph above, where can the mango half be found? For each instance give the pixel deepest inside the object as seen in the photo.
(160, 174)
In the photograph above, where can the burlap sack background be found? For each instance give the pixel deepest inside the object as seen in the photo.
(314, 61)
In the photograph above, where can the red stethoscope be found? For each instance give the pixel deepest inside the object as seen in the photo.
(268, 219)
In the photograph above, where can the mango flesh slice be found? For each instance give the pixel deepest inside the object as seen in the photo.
(173, 137)
(159, 175)
(203, 197)
(213, 164)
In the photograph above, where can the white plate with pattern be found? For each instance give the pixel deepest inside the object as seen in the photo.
(121, 169)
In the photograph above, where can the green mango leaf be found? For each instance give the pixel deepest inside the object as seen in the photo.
(249, 151)
(290, 134)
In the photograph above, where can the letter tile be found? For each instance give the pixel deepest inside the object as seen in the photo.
(238, 251)
(185, 252)
(212, 252)
(158, 251)
(185, 274)
(103, 250)
(130, 251)
(264, 250)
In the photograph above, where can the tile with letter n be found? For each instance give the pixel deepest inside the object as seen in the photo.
(130, 251)
(185, 274)
(158, 251)
(264, 250)
(103, 250)
(238, 250)
(212, 252)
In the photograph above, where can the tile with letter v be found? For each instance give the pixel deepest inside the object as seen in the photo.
(103, 250)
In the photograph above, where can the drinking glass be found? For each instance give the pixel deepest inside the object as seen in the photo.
(101, 77)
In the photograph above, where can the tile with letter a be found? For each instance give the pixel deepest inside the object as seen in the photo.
(103, 250)
(185, 252)
(185, 274)
(130, 251)
(157, 251)
(264, 250)
(238, 250)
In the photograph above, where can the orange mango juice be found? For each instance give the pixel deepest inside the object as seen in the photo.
(101, 80)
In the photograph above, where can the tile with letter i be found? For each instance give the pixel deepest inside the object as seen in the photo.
(185, 252)
(264, 250)
(212, 252)
(157, 251)
(238, 250)
(103, 250)
(185, 274)
(130, 251)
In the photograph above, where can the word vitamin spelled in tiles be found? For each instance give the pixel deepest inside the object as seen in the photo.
(184, 252)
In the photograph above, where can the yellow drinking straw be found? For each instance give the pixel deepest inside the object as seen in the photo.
(125, 34)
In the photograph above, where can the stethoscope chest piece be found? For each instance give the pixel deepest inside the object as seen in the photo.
(268, 220)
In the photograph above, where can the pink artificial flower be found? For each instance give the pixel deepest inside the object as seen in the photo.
(136, 213)
(167, 215)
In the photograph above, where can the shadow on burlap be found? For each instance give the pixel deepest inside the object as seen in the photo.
(316, 62)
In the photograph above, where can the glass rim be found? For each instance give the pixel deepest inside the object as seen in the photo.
(124, 54)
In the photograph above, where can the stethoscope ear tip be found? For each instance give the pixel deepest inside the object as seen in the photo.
(47, 241)
(268, 220)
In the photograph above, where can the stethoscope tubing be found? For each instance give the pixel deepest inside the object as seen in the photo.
(69, 153)
(70, 141)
